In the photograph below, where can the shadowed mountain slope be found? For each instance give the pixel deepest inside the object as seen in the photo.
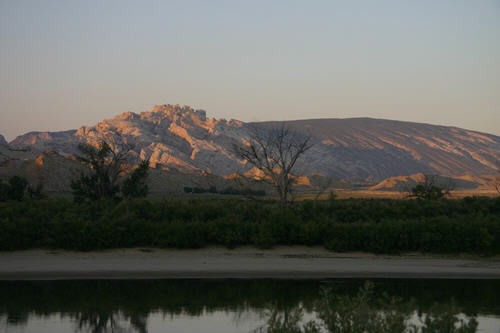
(376, 149)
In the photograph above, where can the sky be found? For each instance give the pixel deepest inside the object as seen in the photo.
(67, 63)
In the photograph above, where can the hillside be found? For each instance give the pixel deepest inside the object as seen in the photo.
(375, 149)
(180, 137)
(461, 183)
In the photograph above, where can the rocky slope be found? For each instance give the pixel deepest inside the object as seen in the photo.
(56, 172)
(375, 149)
(2, 140)
(180, 137)
(461, 183)
(50, 168)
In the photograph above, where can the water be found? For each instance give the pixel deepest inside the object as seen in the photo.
(227, 305)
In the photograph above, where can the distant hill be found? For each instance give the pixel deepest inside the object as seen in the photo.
(185, 139)
(462, 183)
(2, 140)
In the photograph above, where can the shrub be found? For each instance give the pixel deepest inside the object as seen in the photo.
(135, 186)
(471, 225)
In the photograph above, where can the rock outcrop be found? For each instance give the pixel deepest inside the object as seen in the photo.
(2, 140)
(179, 137)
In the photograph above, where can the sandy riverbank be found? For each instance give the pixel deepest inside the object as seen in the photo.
(246, 262)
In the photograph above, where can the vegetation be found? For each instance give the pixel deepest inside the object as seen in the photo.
(364, 312)
(429, 189)
(227, 191)
(17, 188)
(135, 186)
(274, 152)
(106, 164)
(469, 225)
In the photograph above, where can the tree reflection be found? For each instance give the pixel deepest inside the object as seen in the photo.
(110, 322)
(446, 318)
(365, 312)
(288, 320)
(285, 306)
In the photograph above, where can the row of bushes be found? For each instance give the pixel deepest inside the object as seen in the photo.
(205, 209)
(227, 191)
(339, 225)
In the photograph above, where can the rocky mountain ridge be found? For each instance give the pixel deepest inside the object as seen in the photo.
(179, 137)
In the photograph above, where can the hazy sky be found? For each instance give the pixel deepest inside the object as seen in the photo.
(68, 63)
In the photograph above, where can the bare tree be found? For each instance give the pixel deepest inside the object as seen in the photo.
(497, 178)
(274, 152)
(321, 184)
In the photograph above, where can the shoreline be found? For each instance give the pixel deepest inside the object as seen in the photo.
(296, 262)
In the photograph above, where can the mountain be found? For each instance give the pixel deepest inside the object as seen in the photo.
(2, 140)
(50, 168)
(375, 149)
(180, 137)
(172, 135)
(44, 141)
(56, 172)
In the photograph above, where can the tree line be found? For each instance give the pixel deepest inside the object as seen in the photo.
(469, 225)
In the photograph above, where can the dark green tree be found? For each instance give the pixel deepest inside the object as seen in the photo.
(36, 192)
(17, 187)
(135, 186)
(106, 165)
(85, 187)
(4, 191)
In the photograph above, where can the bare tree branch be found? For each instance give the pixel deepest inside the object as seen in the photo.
(275, 153)
(497, 178)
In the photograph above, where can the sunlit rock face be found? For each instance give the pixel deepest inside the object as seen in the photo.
(168, 135)
(179, 137)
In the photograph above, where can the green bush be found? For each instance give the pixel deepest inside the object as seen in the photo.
(471, 225)
(17, 187)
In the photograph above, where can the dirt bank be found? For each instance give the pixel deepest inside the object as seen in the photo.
(282, 262)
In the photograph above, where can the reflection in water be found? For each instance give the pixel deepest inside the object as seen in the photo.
(88, 321)
(252, 305)
(365, 312)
